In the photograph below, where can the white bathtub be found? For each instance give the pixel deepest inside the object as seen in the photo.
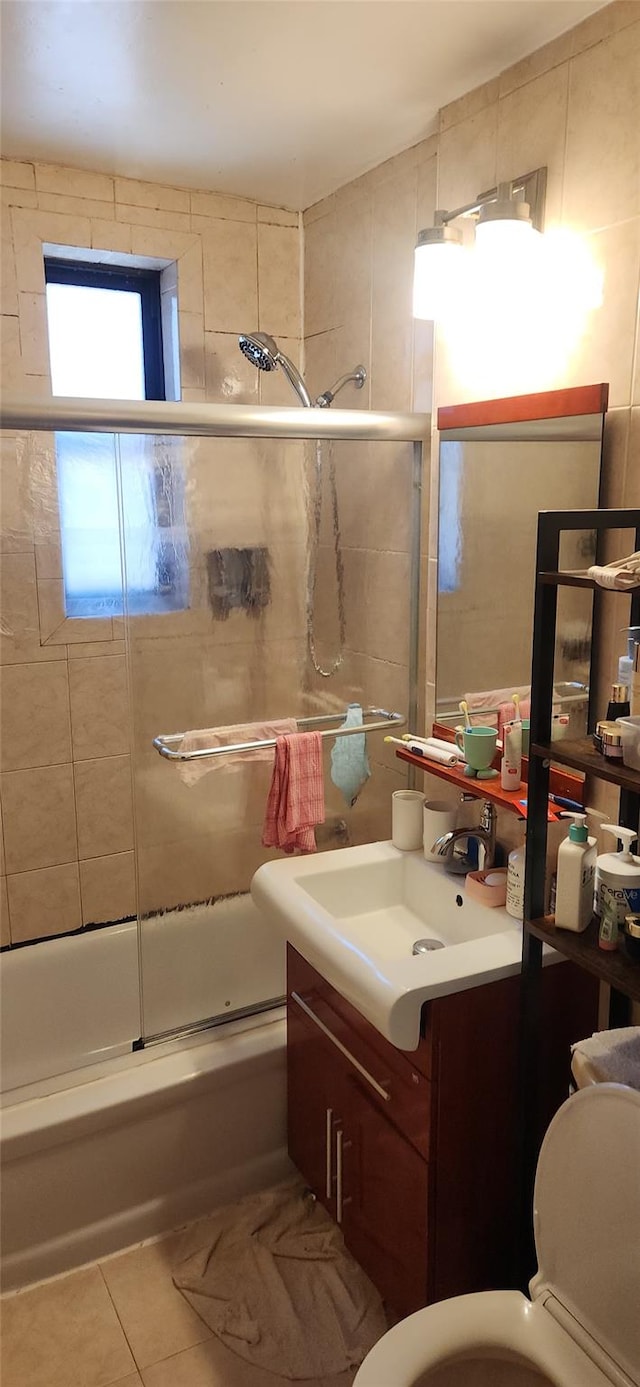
(115, 1146)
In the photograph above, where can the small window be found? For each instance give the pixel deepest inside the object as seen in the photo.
(118, 495)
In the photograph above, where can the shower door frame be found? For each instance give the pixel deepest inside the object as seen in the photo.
(181, 420)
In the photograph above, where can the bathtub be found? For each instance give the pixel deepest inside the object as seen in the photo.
(109, 1146)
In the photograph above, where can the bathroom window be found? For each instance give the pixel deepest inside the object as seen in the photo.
(119, 496)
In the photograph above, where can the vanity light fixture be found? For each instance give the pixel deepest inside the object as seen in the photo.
(506, 219)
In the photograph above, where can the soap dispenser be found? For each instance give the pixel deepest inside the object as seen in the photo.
(576, 870)
(618, 877)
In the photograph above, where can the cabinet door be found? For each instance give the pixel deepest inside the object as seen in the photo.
(314, 1091)
(382, 1200)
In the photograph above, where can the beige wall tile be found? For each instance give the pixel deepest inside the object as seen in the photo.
(468, 158)
(5, 929)
(320, 368)
(614, 461)
(13, 375)
(16, 511)
(157, 1319)
(104, 806)
(219, 205)
(603, 23)
(319, 209)
(278, 216)
(99, 707)
(542, 60)
(17, 174)
(132, 192)
(632, 478)
(603, 136)
(151, 216)
(39, 818)
(54, 178)
(20, 626)
(31, 229)
(322, 310)
(230, 277)
(85, 650)
(164, 245)
(229, 377)
(279, 307)
(34, 715)
(606, 350)
(469, 105)
(191, 330)
(18, 197)
(8, 277)
(273, 386)
(190, 284)
(44, 903)
(65, 1332)
(111, 236)
(48, 561)
(75, 206)
(34, 337)
(531, 134)
(108, 888)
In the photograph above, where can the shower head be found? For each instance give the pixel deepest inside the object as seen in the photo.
(261, 350)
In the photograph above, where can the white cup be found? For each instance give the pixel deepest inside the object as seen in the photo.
(406, 819)
(438, 817)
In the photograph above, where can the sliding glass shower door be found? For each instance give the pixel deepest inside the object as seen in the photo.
(265, 579)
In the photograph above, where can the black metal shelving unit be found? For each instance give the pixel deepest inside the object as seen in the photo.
(622, 975)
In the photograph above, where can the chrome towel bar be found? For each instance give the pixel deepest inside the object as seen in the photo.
(166, 745)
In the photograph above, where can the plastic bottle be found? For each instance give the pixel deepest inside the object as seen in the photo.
(618, 877)
(511, 764)
(576, 871)
(515, 883)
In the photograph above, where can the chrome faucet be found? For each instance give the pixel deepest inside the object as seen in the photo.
(485, 835)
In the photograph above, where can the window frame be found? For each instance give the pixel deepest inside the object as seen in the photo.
(146, 283)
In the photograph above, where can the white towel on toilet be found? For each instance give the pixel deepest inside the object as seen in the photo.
(608, 1057)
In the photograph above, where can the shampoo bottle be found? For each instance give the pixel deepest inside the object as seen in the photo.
(618, 877)
(515, 883)
(576, 870)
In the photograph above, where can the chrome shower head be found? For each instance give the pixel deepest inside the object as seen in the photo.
(261, 350)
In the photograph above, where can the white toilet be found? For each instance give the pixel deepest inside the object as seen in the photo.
(581, 1327)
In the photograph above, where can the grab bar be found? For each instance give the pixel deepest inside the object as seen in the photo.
(165, 744)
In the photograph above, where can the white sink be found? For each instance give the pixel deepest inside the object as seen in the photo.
(355, 915)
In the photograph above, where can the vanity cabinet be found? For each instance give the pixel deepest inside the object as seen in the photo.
(415, 1154)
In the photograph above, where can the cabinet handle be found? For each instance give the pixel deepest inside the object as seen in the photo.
(382, 1092)
(327, 1148)
(341, 1147)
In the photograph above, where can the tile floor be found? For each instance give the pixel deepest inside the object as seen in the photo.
(120, 1322)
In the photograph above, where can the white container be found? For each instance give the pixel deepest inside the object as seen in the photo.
(618, 876)
(630, 729)
(576, 871)
(515, 883)
(406, 819)
(439, 817)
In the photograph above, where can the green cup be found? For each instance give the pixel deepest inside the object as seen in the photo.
(478, 746)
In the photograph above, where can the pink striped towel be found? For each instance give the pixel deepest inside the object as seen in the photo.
(296, 796)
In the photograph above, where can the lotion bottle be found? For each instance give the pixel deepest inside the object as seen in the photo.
(576, 871)
(511, 764)
(618, 876)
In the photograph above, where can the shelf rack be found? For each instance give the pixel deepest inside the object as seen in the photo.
(615, 969)
(621, 973)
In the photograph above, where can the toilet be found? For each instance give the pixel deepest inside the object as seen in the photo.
(581, 1327)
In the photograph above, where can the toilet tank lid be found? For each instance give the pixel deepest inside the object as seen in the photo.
(586, 1215)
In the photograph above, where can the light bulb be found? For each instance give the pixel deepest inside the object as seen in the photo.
(436, 278)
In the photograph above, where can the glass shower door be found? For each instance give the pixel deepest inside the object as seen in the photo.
(276, 594)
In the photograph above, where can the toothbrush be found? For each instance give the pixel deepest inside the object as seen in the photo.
(464, 709)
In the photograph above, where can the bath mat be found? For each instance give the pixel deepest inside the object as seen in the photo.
(271, 1277)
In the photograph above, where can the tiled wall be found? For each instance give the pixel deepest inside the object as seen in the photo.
(572, 106)
(68, 733)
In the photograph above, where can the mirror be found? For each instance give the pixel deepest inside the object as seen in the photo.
(501, 462)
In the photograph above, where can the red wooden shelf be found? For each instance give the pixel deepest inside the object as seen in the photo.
(482, 789)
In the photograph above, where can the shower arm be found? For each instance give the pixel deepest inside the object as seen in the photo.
(327, 397)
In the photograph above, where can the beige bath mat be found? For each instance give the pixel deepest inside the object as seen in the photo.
(272, 1278)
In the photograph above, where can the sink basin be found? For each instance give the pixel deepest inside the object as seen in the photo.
(355, 915)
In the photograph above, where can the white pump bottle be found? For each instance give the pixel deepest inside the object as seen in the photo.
(576, 870)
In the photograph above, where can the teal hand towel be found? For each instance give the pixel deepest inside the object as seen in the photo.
(349, 760)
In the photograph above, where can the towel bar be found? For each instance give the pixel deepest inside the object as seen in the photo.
(165, 744)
